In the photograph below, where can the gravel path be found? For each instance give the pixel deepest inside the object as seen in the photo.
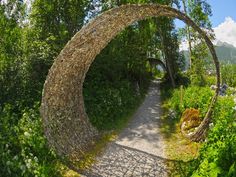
(139, 149)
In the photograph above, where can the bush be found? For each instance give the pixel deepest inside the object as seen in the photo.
(228, 73)
(218, 154)
(193, 97)
(23, 149)
(198, 80)
(108, 103)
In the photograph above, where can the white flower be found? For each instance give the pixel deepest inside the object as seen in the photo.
(211, 125)
(26, 134)
(15, 157)
(28, 163)
(35, 159)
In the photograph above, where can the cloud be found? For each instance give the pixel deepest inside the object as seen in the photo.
(226, 31)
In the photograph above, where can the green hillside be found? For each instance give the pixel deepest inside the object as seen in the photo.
(226, 53)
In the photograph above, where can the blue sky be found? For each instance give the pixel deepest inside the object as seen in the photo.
(220, 10)
(223, 21)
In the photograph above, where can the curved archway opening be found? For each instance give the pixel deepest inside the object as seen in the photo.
(65, 121)
(158, 69)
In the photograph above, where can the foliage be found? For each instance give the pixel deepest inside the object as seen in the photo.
(218, 154)
(10, 52)
(23, 147)
(193, 97)
(114, 85)
(116, 81)
(199, 61)
(228, 73)
(199, 11)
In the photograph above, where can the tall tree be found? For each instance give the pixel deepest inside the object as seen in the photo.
(50, 26)
(11, 17)
(199, 11)
(188, 35)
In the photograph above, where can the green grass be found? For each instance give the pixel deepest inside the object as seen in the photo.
(176, 142)
(213, 157)
(181, 152)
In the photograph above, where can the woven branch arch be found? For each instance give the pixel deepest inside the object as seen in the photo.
(66, 124)
(155, 62)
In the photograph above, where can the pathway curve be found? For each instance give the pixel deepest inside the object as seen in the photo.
(139, 149)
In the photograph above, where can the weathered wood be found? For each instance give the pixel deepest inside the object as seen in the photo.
(154, 62)
(65, 121)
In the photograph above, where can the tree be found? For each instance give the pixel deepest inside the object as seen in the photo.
(199, 11)
(51, 24)
(11, 17)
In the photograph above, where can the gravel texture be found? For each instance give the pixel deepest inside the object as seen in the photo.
(139, 149)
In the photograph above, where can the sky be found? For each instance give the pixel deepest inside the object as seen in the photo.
(223, 21)
(222, 9)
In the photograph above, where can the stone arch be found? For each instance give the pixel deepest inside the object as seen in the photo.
(65, 121)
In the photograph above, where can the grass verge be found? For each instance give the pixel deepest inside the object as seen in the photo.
(181, 152)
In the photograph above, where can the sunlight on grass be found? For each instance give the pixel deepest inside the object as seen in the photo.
(180, 151)
(89, 158)
(176, 142)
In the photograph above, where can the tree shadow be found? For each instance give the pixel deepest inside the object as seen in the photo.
(121, 160)
(129, 154)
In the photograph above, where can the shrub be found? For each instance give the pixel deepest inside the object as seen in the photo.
(228, 73)
(23, 149)
(218, 154)
(193, 97)
(107, 104)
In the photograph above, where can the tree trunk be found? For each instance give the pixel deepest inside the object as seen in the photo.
(168, 64)
(188, 36)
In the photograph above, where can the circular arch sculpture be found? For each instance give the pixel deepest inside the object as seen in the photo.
(65, 121)
(155, 61)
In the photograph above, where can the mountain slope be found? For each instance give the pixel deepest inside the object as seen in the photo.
(226, 53)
